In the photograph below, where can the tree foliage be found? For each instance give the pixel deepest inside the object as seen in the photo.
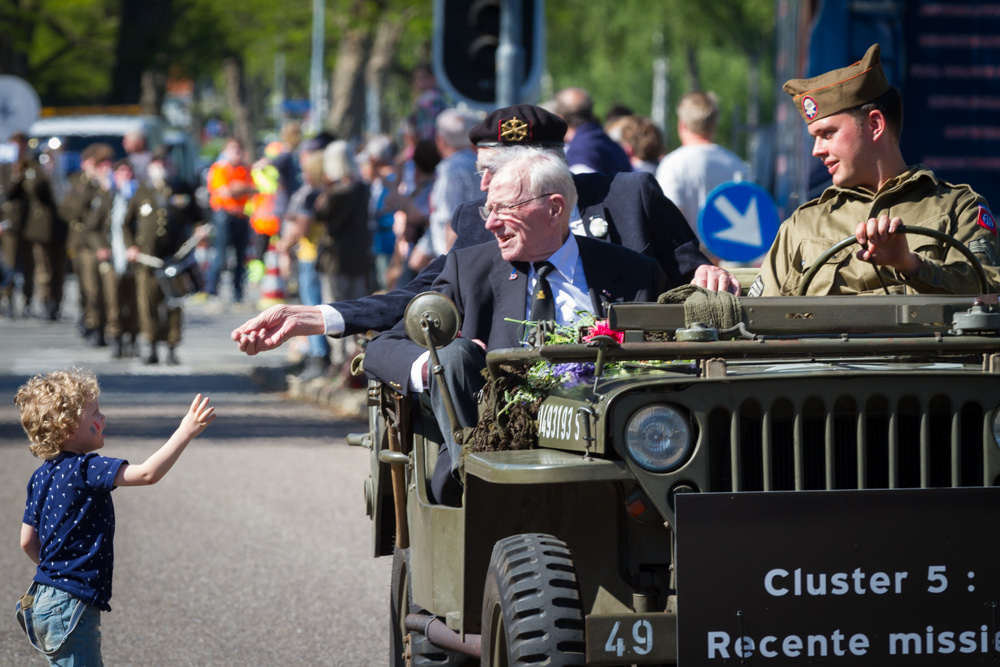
(64, 48)
(608, 48)
(78, 51)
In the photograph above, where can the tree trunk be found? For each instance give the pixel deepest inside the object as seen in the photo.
(154, 89)
(236, 98)
(347, 107)
(142, 34)
(383, 51)
(694, 72)
(19, 30)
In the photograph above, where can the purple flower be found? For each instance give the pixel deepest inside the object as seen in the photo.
(574, 374)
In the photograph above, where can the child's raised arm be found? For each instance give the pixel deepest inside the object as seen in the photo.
(199, 416)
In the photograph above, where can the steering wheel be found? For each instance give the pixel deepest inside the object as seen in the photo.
(919, 231)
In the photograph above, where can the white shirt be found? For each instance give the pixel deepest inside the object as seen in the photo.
(690, 173)
(567, 282)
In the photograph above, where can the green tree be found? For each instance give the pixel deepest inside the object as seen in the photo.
(609, 48)
(93, 51)
(64, 48)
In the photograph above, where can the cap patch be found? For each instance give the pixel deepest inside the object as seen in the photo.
(987, 221)
(519, 125)
(514, 129)
(809, 107)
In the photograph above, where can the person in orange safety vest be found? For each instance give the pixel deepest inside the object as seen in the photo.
(230, 186)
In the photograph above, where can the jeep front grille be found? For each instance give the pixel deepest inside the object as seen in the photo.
(857, 440)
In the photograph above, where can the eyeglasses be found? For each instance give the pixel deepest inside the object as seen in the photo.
(486, 211)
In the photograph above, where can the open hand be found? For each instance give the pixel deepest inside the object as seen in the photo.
(198, 416)
(276, 325)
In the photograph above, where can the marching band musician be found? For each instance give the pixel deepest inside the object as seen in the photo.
(160, 218)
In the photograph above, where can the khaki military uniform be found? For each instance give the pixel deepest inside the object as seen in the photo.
(32, 200)
(75, 208)
(34, 242)
(96, 277)
(919, 199)
(12, 248)
(158, 222)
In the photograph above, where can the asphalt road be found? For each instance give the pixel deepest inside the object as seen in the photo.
(253, 550)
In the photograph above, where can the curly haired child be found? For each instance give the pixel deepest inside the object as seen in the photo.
(69, 522)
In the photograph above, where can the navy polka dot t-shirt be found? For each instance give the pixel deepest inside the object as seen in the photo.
(69, 505)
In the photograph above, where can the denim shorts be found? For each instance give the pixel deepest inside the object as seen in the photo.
(52, 614)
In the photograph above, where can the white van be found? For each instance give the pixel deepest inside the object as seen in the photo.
(67, 136)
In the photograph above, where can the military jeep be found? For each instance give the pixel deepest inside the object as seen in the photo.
(566, 553)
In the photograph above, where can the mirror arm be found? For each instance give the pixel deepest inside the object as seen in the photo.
(438, 370)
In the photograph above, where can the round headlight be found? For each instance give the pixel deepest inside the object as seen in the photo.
(996, 425)
(658, 438)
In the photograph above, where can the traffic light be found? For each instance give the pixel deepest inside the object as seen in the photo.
(466, 37)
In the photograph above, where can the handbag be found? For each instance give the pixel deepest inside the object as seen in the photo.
(23, 611)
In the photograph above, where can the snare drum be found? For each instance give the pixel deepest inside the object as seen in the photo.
(180, 278)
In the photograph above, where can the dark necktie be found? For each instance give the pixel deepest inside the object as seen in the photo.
(543, 301)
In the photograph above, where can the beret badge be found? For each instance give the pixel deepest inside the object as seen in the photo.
(514, 129)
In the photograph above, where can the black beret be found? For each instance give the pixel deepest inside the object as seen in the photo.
(519, 125)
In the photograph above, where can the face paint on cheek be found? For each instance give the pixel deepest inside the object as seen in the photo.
(95, 427)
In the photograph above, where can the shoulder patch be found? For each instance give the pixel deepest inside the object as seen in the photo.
(757, 288)
(986, 220)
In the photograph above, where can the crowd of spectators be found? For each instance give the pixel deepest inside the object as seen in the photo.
(327, 218)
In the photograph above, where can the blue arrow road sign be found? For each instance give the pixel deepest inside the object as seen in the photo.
(739, 222)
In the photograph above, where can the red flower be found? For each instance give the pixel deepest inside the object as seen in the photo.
(601, 328)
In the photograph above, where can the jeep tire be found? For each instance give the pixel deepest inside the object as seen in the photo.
(532, 607)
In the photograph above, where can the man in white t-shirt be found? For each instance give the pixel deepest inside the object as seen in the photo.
(689, 173)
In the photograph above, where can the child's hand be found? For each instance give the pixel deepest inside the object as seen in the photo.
(198, 417)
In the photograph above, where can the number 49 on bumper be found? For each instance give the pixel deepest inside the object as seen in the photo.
(631, 639)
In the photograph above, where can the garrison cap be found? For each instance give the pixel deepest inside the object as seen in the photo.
(840, 89)
(519, 125)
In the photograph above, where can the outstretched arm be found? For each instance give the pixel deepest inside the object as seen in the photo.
(276, 325)
(377, 312)
(152, 470)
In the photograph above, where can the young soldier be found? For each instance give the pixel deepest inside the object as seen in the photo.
(855, 118)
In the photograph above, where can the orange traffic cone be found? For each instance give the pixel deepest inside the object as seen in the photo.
(272, 285)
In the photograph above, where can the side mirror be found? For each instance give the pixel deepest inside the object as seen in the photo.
(431, 320)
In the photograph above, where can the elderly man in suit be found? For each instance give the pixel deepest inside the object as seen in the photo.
(627, 209)
(534, 269)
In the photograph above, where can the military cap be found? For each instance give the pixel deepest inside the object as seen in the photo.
(840, 89)
(519, 125)
(99, 152)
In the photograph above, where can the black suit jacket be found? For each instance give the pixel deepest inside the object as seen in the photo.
(638, 216)
(479, 281)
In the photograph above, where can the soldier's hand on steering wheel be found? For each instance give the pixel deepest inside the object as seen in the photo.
(882, 245)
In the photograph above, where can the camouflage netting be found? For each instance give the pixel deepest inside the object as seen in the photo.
(515, 428)
(719, 309)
